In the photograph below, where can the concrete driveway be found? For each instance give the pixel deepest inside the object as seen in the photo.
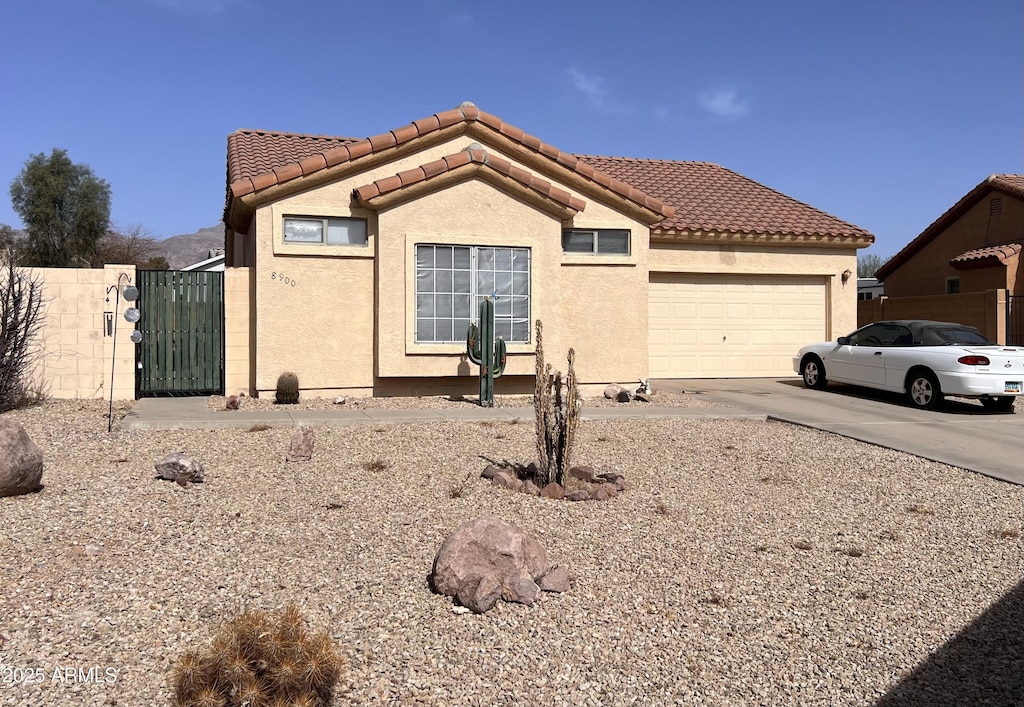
(960, 433)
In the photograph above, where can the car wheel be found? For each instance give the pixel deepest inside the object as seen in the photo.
(1001, 403)
(923, 390)
(814, 373)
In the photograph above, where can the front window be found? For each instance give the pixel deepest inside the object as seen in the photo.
(882, 334)
(452, 280)
(596, 242)
(328, 231)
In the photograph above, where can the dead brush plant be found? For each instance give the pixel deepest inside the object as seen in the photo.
(259, 659)
(259, 427)
(1006, 533)
(376, 465)
(460, 489)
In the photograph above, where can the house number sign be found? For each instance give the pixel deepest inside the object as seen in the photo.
(282, 278)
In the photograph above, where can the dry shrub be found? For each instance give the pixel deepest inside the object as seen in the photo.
(258, 659)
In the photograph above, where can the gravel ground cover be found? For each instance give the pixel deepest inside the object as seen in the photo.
(660, 399)
(751, 563)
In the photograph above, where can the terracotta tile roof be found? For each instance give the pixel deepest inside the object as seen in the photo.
(253, 154)
(474, 156)
(984, 257)
(249, 173)
(689, 197)
(710, 198)
(1011, 184)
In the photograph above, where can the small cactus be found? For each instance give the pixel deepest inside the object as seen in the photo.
(287, 389)
(486, 351)
(257, 660)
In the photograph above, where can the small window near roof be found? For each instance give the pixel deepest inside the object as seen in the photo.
(596, 242)
(329, 231)
(952, 285)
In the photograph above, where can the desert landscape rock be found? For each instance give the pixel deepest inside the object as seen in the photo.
(21, 461)
(487, 559)
(180, 468)
(300, 447)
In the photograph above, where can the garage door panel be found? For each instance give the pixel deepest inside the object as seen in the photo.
(731, 326)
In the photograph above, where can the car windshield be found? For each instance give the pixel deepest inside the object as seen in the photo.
(955, 336)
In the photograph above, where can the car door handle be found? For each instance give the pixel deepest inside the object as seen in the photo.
(878, 353)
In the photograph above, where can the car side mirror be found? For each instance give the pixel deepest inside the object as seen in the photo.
(843, 340)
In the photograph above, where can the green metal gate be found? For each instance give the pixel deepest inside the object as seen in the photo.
(1015, 320)
(182, 326)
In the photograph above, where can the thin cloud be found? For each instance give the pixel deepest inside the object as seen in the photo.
(724, 102)
(593, 89)
(448, 15)
(195, 7)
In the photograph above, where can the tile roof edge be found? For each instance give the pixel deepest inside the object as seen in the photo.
(467, 113)
(474, 157)
(991, 182)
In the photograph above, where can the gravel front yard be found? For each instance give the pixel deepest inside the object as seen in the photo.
(751, 563)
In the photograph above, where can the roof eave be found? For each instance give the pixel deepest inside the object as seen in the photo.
(420, 189)
(702, 236)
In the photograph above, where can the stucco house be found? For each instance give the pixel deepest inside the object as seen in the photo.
(364, 261)
(974, 246)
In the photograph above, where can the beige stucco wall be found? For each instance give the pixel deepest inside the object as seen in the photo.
(827, 263)
(316, 304)
(927, 271)
(75, 356)
(238, 309)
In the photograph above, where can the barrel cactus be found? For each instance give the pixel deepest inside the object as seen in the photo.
(287, 389)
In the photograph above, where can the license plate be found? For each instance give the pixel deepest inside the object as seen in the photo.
(1012, 387)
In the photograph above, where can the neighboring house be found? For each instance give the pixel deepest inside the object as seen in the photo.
(214, 263)
(869, 288)
(975, 246)
(366, 260)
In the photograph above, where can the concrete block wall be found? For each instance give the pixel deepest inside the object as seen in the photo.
(75, 355)
(984, 310)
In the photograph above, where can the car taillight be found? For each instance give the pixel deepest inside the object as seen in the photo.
(973, 360)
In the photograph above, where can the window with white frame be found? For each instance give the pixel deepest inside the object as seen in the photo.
(451, 281)
(596, 242)
(311, 230)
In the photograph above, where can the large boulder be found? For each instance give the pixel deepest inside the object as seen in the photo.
(21, 461)
(486, 559)
(612, 391)
(180, 468)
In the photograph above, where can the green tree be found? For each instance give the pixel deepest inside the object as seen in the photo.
(65, 209)
(157, 262)
(8, 240)
(868, 264)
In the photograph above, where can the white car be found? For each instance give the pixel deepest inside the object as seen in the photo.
(923, 359)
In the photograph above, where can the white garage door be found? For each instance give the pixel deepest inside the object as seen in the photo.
(731, 326)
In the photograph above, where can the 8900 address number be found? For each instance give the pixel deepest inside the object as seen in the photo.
(282, 278)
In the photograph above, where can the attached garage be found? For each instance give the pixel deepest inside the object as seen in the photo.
(732, 326)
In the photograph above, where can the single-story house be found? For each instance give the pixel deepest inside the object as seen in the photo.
(869, 288)
(367, 259)
(213, 263)
(974, 246)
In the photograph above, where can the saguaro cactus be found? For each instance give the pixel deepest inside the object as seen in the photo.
(486, 351)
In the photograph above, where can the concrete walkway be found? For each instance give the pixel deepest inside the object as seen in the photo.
(194, 414)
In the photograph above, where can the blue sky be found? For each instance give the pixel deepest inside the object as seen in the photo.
(883, 113)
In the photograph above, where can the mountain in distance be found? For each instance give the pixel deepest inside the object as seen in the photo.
(189, 248)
